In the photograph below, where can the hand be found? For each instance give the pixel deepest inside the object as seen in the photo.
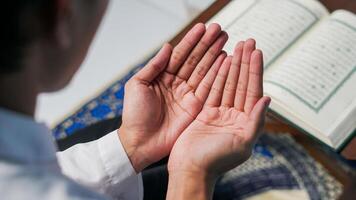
(164, 97)
(223, 134)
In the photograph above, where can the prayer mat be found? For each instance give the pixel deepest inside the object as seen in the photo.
(279, 168)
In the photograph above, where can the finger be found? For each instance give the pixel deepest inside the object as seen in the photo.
(207, 61)
(216, 91)
(204, 86)
(156, 65)
(231, 83)
(257, 117)
(184, 47)
(255, 81)
(240, 96)
(198, 52)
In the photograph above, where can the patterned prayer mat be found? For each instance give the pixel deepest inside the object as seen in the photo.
(278, 165)
(279, 168)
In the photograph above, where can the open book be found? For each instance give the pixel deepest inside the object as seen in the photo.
(310, 61)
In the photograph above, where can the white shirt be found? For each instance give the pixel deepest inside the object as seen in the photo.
(31, 169)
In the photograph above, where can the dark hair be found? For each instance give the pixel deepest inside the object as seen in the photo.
(21, 22)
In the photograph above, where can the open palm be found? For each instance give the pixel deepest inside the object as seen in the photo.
(222, 135)
(167, 94)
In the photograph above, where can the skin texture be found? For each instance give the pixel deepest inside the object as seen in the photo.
(224, 132)
(177, 102)
(165, 103)
(166, 95)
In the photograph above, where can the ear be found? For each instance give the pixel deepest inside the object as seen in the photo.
(62, 24)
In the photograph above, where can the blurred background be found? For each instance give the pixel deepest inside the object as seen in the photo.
(130, 31)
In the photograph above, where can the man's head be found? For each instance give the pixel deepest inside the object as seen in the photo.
(47, 39)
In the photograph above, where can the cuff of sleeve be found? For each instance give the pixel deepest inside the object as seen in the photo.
(119, 168)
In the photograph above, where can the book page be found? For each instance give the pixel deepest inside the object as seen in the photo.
(274, 24)
(317, 80)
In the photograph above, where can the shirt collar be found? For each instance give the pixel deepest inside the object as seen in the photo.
(24, 140)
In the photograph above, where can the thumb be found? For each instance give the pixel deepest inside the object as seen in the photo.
(156, 65)
(260, 109)
(258, 114)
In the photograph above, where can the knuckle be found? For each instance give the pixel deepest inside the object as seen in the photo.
(177, 55)
(212, 52)
(188, 41)
(241, 88)
(236, 63)
(254, 93)
(191, 87)
(221, 77)
(193, 60)
(205, 86)
(245, 64)
(156, 67)
(251, 94)
(215, 70)
(229, 87)
(203, 44)
(255, 73)
(215, 89)
(201, 71)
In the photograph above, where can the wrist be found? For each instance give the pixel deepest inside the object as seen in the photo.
(190, 185)
(137, 159)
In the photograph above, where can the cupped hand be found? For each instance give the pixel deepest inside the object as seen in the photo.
(222, 135)
(164, 97)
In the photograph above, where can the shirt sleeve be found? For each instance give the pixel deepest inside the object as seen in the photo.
(103, 165)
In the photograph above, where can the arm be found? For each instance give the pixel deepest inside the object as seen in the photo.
(103, 166)
(187, 185)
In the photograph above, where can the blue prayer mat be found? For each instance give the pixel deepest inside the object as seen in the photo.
(277, 163)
